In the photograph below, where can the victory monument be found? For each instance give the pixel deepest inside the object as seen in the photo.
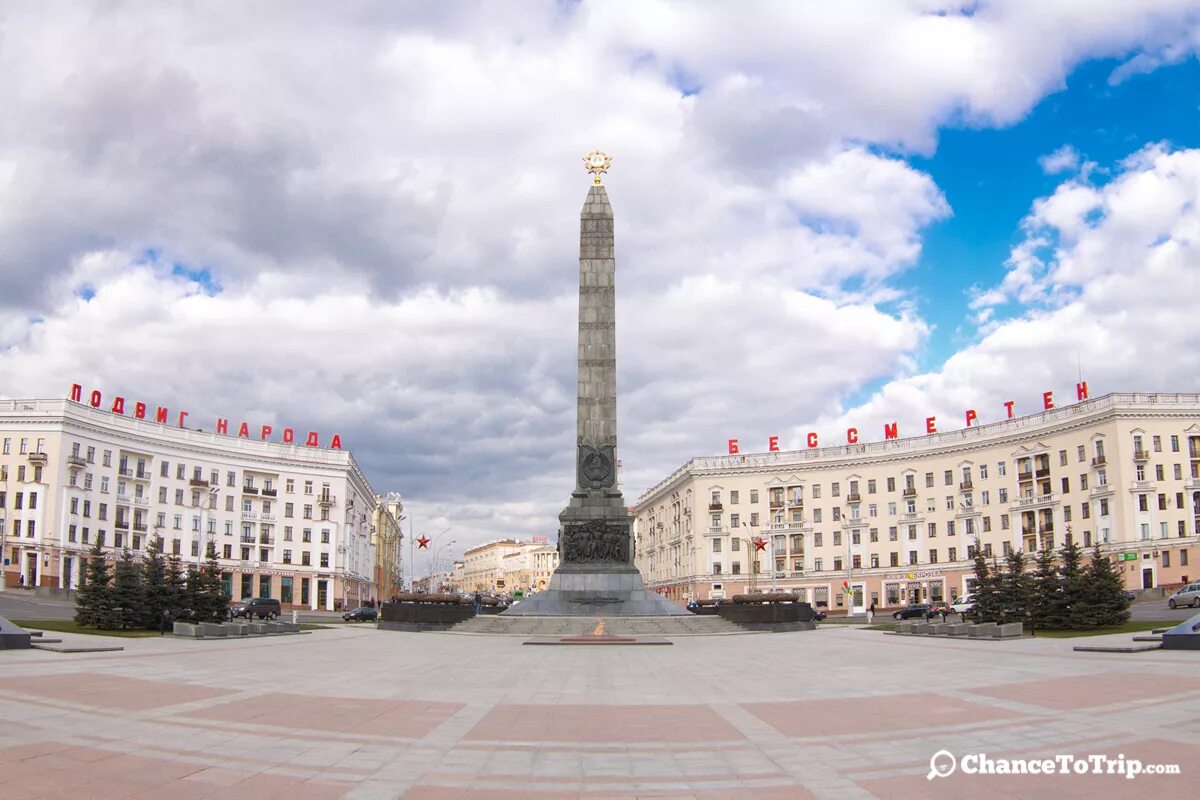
(596, 575)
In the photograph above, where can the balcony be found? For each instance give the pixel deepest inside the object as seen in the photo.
(1142, 486)
(266, 517)
(199, 483)
(37, 458)
(716, 530)
(247, 538)
(911, 516)
(326, 499)
(121, 524)
(854, 497)
(1033, 500)
(1025, 476)
(1141, 455)
(141, 475)
(1044, 472)
(250, 515)
(140, 501)
(270, 492)
(267, 540)
(711, 506)
(910, 491)
(140, 527)
(966, 486)
(249, 490)
(1192, 485)
(796, 502)
(1099, 461)
(76, 462)
(776, 502)
(1102, 489)
(125, 472)
(1028, 533)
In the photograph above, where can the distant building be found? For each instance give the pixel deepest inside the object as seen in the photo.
(287, 521)
(386, 540)
(506, 565)
(899, 521)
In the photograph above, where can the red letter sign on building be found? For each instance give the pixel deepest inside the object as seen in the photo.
(971, 416)
(811, 439)
(773, 444)
(1048, 400)
(733, 447)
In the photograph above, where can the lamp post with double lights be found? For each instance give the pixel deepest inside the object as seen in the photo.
(203, 507)
(754, 546)
(435, 557)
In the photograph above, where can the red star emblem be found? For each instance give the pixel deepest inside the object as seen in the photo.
(760, 544)
(424, 541)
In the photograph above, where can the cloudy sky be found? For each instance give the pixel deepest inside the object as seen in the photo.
(363, 218)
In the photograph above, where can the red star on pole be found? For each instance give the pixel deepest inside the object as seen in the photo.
(424, 541)
(760, 544)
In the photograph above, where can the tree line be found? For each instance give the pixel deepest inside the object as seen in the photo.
(148, 593)
(1059, 592)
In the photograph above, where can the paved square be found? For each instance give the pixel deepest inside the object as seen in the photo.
(366, 715)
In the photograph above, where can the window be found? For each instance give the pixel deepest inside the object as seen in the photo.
(1183, 558)
(872, 510)
(871, 486)
(928, 480)
(1085, 511)
(1003, 494)
(228, 551)
(735, 520)
(1157, 440)
(1001, 469)
(1166, 554)
(753, 496)
(308, 512)
(893, 535)
(950, 527)
(1178, 472)
(933, 555)
(837, 563)
(178, 522)
(949, 477)
(754, 518)
(950, 503)
(891, 484)
(1083, 482)
(1066, 513)
(1062, 458)
(816, 490)
(932, 529)
(817, 515)
(892, 508)
(835, 490)
(1158, 472)
(1066, 485)
(817, 539)
(716, 545)
(1162, 502)
(874, 560)
(306, 535)
(837, 514)
(305, 559)
(894, 559)
(912, 556)
(1004, 522)
(1104, 507)
(837, 538)
(733, 497)
(985, 497)
(308, 487)
(1174, 444)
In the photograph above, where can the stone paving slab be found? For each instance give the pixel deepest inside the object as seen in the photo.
(364, 714)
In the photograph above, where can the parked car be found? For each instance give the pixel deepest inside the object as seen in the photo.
(1185, 596)
(818, 615)
(938, 607)
(1130, 595)
(963, 605)
(920, 610)
(251, 607)
(361, 614)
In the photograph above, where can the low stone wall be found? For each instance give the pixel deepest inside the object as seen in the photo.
(409, 616)
(233, 630)
(985, 630)
(769, 616)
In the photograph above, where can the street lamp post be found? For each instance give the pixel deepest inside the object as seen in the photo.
(752, 550)
(203, 508)
(433, 556)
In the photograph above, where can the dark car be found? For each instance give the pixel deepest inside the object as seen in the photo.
(361, 614)
(916, 610)
(251, 607)
(818, 615)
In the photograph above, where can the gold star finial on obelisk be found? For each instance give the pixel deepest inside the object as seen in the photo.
(597, 162)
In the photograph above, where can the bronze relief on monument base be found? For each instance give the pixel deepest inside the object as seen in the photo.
(595, 541)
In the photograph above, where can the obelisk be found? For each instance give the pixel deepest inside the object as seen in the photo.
(596, 575)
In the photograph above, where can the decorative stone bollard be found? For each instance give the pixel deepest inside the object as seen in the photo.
(937, 628)
(235, 628)
(186, 629)
(958, 629)
(1009, 630)
(211, 629)
(983, 629)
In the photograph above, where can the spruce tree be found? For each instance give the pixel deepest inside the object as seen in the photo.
(194, 604)
(128, 593)
(216, 607)
(1070, 606)
(1044, 608)
(176, 588)
(984, 591)
(154, 580)
(1104, 593)
(1015, 589)
(93, 601)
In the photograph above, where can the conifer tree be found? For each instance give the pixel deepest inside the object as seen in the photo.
(154, 581)
(984, 591)
(216, 607)
(1104, 593)
(128, 593)
(1044, 609)
(1015, 589)
(194, 604)
(176, 588)
(93, 601)
(1070, 607)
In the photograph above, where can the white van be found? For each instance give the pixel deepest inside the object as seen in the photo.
(963, 605)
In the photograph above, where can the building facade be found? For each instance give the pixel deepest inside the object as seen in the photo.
(507, 565)
(386, 540)
(899, 521)
(287, 521)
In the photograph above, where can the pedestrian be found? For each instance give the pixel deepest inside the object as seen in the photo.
(871, 613)
(945, 611)
(21, 582)
(478, 603)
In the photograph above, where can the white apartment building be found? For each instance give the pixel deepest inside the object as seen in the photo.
(506, 565)
(899, 521)
(288, 521)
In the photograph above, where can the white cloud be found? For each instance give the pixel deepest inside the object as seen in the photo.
(1064, 159)
(388, 197)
